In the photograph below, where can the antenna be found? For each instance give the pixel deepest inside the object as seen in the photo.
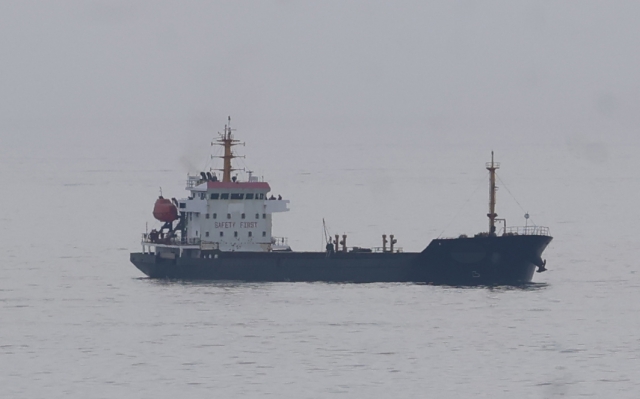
(251, 178)
(227, 141)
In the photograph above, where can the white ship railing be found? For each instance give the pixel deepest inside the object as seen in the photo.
(146, 239)
(193, 181)
(381, 249)
(279, 240)
(527, 231)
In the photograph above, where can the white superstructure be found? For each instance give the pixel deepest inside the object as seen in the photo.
(230, 216)
(227, 215)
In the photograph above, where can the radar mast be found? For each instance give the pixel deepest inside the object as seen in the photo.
(227, 141)
(491, 167)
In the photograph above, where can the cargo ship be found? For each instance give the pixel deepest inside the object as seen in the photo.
(223, 231)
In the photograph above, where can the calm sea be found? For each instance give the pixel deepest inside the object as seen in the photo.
(79, 321)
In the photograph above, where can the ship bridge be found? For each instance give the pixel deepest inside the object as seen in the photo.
(224, 215)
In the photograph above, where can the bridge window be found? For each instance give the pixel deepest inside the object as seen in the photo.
(206, 234)
(183, 205)
(215, 196)
(261, 196)
(237, 196)
(224, 196)
(248, 196)
(207, 216)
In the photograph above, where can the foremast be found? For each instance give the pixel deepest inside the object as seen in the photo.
(227, 141)
(491, 167)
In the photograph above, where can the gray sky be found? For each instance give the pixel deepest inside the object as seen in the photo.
(347, 70)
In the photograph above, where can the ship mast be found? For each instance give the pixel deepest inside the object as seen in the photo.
(491, 167)
(227, 141)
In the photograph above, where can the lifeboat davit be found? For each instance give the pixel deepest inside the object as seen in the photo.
(164, 210)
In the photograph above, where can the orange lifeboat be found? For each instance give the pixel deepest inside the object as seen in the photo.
(164, 210)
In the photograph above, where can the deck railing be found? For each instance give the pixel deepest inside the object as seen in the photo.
(381, 249)
(279, 240)
(146, 238)
(527, 231)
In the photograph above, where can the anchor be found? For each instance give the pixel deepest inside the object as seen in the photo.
(541, 267)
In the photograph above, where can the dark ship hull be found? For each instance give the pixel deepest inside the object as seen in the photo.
(508, 259)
